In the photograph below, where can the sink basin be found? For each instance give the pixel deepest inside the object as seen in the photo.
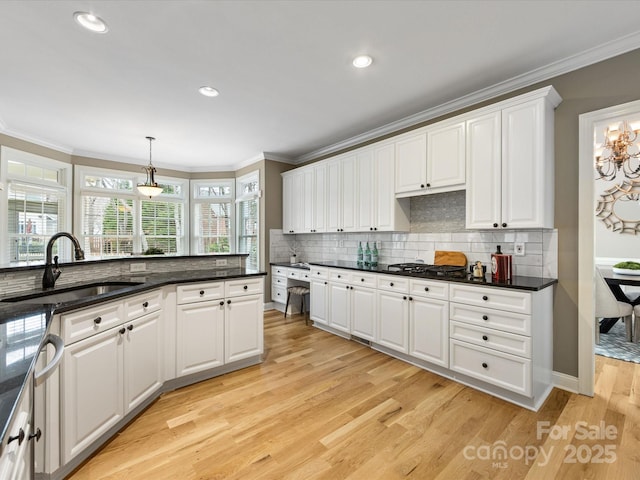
(71, 294)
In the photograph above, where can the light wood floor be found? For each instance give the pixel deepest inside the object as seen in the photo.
(321, 407)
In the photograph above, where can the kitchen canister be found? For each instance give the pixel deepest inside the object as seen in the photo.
(501, 266)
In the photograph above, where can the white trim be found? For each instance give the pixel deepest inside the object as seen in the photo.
(586, 237)
(35, 140)
(565, 382)
(560, 67)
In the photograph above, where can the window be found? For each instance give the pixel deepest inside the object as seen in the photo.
(37, 202)
(248, 208)
(212, 202)
(114, 220)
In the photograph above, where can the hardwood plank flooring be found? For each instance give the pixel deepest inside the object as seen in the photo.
(323, 408)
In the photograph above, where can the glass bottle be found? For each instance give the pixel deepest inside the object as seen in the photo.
(367, 256)
(374, 255)
(360, 254)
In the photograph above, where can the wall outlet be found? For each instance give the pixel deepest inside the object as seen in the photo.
(221, 262)
(138, 267)
(518, 249)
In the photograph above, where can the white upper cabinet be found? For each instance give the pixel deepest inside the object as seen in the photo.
(446, 156)
(293, 213)
(411, 162)
(510, 164)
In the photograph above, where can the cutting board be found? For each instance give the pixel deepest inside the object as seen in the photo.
(444, 257)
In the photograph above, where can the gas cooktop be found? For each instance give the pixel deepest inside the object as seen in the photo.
(429, 270)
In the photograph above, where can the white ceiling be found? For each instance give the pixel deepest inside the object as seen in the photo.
(283, 69)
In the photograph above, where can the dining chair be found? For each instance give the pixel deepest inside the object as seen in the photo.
(607, 306)
(636, 324)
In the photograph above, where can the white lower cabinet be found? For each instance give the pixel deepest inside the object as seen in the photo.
(363, 312)
(319, 299)
(428, 330)
(106, 375)
(199, 336)
(243, 328)
(17, 454)
(340, 307)
(393, 320)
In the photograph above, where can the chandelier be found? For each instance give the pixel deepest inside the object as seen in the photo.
(614, 157)
(150, 187)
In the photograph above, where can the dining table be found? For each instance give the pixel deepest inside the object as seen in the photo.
(616, 281)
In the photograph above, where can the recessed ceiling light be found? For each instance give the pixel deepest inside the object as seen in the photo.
(91, 22)
(362, 61)
(209, 91)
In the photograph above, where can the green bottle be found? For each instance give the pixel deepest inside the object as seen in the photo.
(367, 256)
(374, 255)
(360, 254)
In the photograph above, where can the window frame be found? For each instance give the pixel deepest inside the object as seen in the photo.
(240, 197)
(196, 200)
(63, 185)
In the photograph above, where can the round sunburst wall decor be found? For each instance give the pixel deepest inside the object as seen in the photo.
(619, 207)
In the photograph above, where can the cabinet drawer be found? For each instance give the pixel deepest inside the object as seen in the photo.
(243, 286)
(501, 369)
(500, 298)
(305, 275)
(199, 292)
(494, 339)
(364, 279)
(279, 281)
(429, 289)
(340, 276)
(278, 293)
(89, 321)
(488, 317)
(393, 283)
(142, 304)
(279, 271)
(319, 272)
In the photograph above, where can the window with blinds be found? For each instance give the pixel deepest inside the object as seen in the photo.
(37, 205)
(162, 226)
(248, 215)
(212, 214)
(107, 226)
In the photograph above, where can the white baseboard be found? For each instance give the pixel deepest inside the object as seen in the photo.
(269, 306)
(565, 382)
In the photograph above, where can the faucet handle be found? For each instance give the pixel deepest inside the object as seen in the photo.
(55, 262)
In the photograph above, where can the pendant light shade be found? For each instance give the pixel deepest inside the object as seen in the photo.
(150, 187)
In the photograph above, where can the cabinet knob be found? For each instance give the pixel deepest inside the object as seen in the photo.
(504, 225)
(97, 320)
(362, 279)
(426, 289)
(411, 299)
(485, 338)
(228, 302)
(222, 301)
(375, 228)
(391, 284)
(201, 292)
(485, 365)
(370, 228)
(339, 276)
(36, 435)
(245, 287)
(484, 317)
(428, 184)
(485, 298)
(495, 225)
(130, 327)
(347, 287)
(145, 304)
(422, 185)
(122, 331)
(404, 297)
(325, 283)
(19, 437)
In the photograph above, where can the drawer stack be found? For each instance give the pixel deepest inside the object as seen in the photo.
(490, 332)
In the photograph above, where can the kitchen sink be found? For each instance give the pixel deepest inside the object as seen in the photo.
(71, 294)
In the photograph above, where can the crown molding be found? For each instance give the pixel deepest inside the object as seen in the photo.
(588, 57)
(35, 140)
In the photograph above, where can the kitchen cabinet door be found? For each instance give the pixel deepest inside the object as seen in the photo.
(389, 216)
(243, 330)
(484, 181)
(411, 162)
(334, 195)
(340, 307)
(363, 312)
(293, 202)
(365, 189)
(429, 330)
(319, 206)
(306, 200)
(92, 390)
(200, 336)
(349, 187)
(142, 359)
(393, 320)
(319, 300)
(446, 156)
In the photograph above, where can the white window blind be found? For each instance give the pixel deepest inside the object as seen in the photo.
(212, 216)
(107, 226)
(247, 204)
(162, 226)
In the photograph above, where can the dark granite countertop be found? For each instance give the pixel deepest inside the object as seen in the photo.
(24, 325)
(517, 283)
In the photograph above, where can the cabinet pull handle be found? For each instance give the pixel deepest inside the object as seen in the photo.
(504, 225)
(222, 301)
(484, 317)
(495, 225)
(485, 365)
(130, 327)
(201, 292)
(19, 437)
(228, 302)
(97, 320)
(36, 435)
(145, 304)
(485, 298)
(122, 331)
(485, 338)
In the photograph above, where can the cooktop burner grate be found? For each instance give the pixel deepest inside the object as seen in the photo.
(429, 270)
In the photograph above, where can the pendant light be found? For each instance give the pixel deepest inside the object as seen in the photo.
(150, 187)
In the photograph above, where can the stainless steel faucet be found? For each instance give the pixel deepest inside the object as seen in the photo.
(52, 271)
